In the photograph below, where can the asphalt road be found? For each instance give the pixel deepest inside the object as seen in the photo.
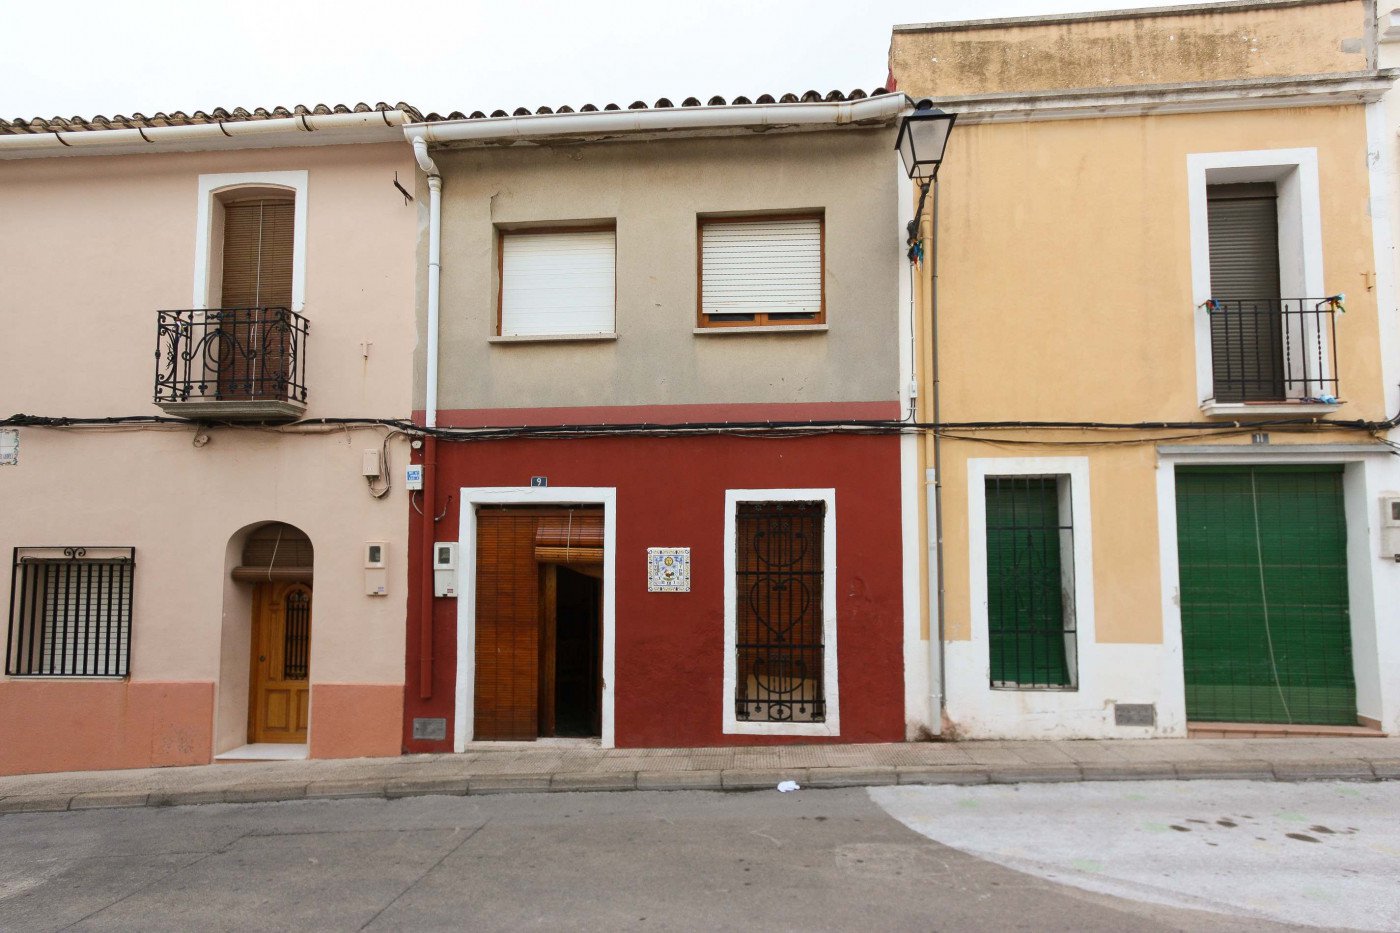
(811, 860)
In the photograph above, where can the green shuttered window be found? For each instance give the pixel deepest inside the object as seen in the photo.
(1266, 629)
(1030, 582)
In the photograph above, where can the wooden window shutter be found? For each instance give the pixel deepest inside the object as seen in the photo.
(558, 283)
(765, 268)
(258, 244)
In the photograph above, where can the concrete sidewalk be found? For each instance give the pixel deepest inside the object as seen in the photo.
(496, 768)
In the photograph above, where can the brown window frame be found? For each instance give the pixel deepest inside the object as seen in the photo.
(503, 232)
(760, 318)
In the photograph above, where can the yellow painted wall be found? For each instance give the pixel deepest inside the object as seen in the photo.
(1065, 258)
(1077, 52)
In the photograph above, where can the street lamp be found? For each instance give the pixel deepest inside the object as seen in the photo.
(923, 136)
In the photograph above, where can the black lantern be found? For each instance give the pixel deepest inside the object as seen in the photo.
(922, 138)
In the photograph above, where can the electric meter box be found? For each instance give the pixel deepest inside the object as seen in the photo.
(376, 568)
(1390, 528)
(445, 568)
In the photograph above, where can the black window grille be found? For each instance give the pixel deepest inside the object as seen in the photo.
(296, 636)
(779, 650)
(70, 612)
(1030, 582)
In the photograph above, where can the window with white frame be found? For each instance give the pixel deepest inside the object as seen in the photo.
(780, 626)
(1265, 326)
(70, 612)
(557, 283)
(1031, 630)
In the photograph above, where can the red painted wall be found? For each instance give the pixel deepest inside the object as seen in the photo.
(670, 647)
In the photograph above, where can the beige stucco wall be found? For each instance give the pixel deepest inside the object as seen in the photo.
(1267, 40)
(654, 192)
(90, 248)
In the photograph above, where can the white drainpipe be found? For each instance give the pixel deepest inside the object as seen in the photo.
(429, 167)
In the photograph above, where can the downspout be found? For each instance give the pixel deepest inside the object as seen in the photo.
(938, 451)
(940, 690)
(429, 524)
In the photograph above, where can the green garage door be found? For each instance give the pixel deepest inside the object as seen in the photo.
(1265, 628)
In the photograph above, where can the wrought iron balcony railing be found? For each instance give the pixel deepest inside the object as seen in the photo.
(1278, 350)
(231, 363)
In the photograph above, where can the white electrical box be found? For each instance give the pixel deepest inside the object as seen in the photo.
(413, 476)
(376, 568)
(445, 568)
(1390, 528)
(372, 467)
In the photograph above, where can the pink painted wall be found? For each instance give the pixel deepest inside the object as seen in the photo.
(90, 249)
(357, 720)
(67, 725)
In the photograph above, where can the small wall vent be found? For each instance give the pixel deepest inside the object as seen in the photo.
(1134, 714)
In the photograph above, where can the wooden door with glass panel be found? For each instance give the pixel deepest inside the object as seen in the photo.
(280, 686)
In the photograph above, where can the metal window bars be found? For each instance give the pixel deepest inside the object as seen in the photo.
(70, 612)
(296, 636)
(779, 649)
(1032, 632)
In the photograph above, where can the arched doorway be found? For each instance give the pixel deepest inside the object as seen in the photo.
(277, 561)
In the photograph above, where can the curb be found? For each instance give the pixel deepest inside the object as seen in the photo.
(729, 780)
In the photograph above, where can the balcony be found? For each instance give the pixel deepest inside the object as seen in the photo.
(231, 364)
(1273, 356)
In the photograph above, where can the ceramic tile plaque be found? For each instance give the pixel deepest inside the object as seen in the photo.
(668, 570)
(9, 447)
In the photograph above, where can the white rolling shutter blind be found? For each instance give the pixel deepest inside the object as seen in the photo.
(761, 267)
(558, 283)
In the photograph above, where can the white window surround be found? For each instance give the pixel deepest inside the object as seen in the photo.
(471, 497)
(732, 724)
(205, 236)
(1295, 173)
(1076, 470)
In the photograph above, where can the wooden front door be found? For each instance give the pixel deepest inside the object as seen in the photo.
(279, 694)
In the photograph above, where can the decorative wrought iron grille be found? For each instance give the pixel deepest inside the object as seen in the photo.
(296, 637)
(231, 354)
(1274, 350)
(779, 651)
(70, 612)
(1030, 583)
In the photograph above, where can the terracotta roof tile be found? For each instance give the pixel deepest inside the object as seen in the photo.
(19, 125)
(665, 103)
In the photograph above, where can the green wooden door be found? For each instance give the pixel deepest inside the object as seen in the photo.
(1265, 625)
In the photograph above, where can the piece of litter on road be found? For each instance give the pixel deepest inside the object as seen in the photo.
(787, 787)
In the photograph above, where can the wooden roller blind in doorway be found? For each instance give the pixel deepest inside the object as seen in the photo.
(506, 695)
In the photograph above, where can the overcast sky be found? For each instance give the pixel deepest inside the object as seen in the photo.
(118, 56)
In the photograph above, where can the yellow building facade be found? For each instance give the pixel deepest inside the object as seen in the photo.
(1162, 374)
